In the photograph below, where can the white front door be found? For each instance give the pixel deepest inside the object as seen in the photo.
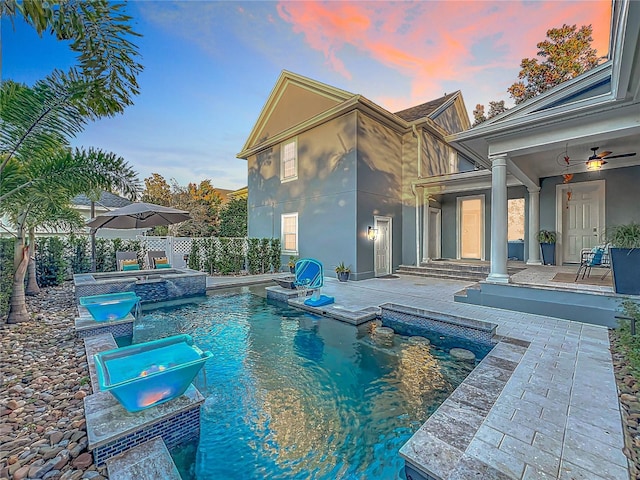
(471, 227)
(582, 218)
(382, 247)
(431, 247)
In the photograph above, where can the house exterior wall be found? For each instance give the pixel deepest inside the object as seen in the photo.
(622, 195)
(379, 190)
(437, 159)
(295, 106)
(323, 195)
(450, 120)
(448, 203)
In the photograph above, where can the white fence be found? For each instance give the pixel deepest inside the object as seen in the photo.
(176, 248)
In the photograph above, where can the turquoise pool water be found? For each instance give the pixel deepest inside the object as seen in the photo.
(290, 395)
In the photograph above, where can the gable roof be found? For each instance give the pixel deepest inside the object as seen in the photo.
(425, 110)
(107, 200)
(281, 111)
(284, 115)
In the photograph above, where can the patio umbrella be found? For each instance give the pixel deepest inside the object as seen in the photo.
(139, 215)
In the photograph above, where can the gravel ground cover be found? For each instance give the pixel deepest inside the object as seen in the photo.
(43, 379)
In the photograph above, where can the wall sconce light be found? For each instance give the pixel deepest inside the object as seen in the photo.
(595, 164)
(372, 233)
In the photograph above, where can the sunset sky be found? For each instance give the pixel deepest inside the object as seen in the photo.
(210, 66)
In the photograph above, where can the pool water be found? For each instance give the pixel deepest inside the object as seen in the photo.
(290, 395)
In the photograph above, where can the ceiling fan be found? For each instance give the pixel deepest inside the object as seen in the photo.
(597, 160)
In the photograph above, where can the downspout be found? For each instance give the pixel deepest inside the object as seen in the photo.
(415, 134)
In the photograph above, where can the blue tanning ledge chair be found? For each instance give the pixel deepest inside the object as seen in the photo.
(310, 275)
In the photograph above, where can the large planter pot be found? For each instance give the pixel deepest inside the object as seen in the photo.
(548, 253)
(625, 267)
(343, 276)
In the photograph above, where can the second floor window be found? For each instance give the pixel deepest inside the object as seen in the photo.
(289, 161)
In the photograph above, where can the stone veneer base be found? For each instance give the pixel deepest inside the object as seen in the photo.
(86, 327)
(411, 321)
(149, 285)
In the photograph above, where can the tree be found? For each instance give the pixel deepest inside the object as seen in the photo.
(100, 33)
(478, 115)
(39, 172)
(495, 108)
(233, 218)
(567, 52)
(203, 203)
(157, 190)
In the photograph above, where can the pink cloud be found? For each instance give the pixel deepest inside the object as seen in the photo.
(435, 43)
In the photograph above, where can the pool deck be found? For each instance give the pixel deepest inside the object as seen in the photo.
(558, 415)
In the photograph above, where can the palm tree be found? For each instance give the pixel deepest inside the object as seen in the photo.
(39, 172)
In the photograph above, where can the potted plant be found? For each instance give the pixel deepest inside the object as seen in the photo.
(292, 264)
(624, 253)
(342, 272)
(547, 241)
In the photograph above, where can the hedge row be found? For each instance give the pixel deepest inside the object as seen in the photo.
(232, 255)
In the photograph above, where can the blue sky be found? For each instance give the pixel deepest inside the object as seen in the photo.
(210, 66)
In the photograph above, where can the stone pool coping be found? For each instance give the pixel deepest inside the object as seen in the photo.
(438, 449)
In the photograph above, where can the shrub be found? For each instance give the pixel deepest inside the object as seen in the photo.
(50, 261)
(6, 273)
(253, 255)
(630, 344)
(78, 253)
(275, 252)
(194, 256)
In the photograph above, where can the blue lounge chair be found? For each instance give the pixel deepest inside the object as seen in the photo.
(310, 275)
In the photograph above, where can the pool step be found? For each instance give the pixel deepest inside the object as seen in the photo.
(148, 461)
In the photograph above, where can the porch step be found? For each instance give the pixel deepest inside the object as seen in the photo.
(451, 270)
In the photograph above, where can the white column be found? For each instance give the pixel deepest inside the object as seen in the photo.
(534, 226)
(499, 235)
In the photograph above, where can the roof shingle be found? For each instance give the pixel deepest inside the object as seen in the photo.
(421, 111)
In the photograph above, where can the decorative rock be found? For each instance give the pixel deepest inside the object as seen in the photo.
(83, 460)
(61, 460)
(21, 473)
(80, 394)
(56, 437)
(44, 362)
(462, 354)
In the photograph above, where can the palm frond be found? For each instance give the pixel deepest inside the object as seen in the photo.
(101, 34)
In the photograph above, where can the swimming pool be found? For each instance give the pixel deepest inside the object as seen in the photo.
(290, 395)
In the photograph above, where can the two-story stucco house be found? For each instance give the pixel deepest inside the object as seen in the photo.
(329, 170)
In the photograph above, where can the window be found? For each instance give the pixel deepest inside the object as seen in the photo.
(289, 223)
(515, 226)
(289, 161)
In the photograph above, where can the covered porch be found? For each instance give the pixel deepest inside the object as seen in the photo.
(555, 145)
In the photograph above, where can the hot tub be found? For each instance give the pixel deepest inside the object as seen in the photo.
(148, 374)
(111, 306)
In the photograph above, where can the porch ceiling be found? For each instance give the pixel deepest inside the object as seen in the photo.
(538, 159)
